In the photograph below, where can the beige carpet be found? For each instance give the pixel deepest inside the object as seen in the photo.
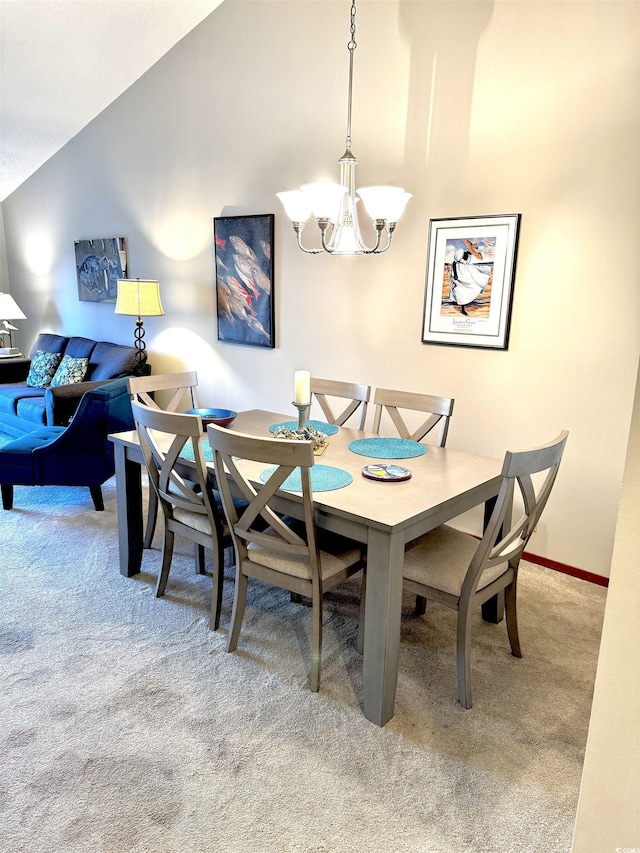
(125, 726)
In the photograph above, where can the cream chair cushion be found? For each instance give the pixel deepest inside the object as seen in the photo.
(342, 555)
(441, 559)
(194, 520)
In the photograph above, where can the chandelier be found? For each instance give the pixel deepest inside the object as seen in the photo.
(334, 205)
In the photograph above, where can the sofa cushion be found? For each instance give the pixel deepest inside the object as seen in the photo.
(70, 371)
(110, 361)
(79, 347)
(32, 409)
(48, 342)
(11, 394)
(43, 368)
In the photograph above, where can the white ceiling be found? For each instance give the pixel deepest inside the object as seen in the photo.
(63, 61)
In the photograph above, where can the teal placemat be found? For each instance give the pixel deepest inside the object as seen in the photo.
(321, 426)
(387, 448)
(187, 451)
(324, 478)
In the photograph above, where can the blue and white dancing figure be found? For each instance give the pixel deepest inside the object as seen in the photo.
(467, 279)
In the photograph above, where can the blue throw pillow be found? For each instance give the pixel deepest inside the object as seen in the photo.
(70, 371)
(43, 368)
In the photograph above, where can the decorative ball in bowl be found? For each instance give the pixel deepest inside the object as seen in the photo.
(219, 417)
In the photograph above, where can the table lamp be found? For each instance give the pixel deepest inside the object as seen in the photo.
(9, 311)
(139, 298)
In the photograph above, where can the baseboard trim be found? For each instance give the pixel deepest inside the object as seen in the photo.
(600, 580)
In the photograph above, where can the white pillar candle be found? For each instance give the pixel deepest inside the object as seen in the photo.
(302, 382)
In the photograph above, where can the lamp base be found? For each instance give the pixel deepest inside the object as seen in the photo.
(141, 349)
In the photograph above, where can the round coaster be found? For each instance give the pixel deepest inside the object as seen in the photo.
(386, 473)
(320, 426)
(387, 448)
(324, 478)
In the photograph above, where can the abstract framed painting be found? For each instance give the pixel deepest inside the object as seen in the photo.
(243, 248)
(471, 265)
(99, 264)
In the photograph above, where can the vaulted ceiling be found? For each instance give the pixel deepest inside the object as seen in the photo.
(63, 61)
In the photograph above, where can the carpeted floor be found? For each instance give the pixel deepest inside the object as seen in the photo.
(125, 726)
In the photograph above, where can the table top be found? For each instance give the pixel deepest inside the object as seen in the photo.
(441, 478)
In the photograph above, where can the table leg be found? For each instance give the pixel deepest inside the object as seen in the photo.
(129, 504)
(383, 607)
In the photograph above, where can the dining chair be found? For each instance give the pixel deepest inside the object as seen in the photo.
(439, 410)
(183, 388)
(166, 439)
(281, 551)
(358, 396)
(454, 569)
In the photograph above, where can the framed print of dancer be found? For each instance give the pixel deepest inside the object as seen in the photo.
(469, 287)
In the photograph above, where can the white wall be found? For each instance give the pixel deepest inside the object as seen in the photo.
(475, 107)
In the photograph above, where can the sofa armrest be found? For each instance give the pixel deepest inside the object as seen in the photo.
(62, 401)
(14, 369)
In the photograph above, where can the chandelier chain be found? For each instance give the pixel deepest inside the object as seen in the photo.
(352, 43)
(351, 47)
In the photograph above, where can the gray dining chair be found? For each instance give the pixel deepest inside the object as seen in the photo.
(439, 410)
(454, 569)
(183, 388)
(281, 551)
(357, 395)
(166, 438)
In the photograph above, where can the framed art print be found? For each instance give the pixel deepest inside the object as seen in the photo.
(243, 248)
(469, 287)
(99, 264)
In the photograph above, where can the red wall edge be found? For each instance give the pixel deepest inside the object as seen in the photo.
(567, 570)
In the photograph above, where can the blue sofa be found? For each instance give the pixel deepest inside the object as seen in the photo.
(24, 409)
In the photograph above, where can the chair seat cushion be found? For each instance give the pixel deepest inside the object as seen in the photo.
(441, 559)
(336, 555)
(195, 520)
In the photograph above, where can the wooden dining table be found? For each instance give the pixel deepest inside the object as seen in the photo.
(383, 515)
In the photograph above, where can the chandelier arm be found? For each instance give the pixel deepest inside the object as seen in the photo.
(380, 226)
(323, 224)
(389, 230)
(298, 228)
(375, 249)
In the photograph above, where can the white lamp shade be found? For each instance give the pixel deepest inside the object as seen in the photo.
(296, 205)
(139, 298)
(9, 309)
(325, 199)
(384, 202)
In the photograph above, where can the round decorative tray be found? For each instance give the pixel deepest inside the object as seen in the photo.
(386, 473)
